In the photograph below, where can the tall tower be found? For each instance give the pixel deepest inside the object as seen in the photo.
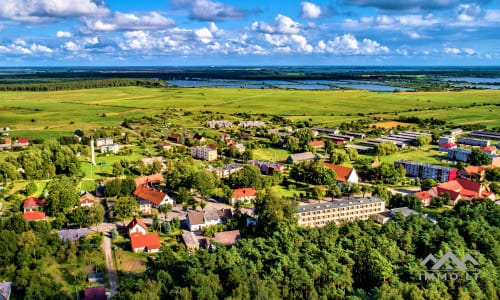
(92, 153)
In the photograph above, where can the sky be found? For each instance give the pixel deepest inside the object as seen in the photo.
(258, 32)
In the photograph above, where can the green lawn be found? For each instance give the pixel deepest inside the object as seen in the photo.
(270, 154)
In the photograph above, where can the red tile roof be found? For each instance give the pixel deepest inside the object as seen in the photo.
(149, 194)
(317, 144)
(475, 170)
(463, 187)
(488, 148)
(244, 192)
(86, 198)
(95, 293)
(227, 237)
(34, 216)
(154, 179)
(33, 202)
(424, 195)
(23, 141)
(150, 241)
(448, 145)
(341, 171)
(136, 221)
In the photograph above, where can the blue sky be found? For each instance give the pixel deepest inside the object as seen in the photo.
(272, 32)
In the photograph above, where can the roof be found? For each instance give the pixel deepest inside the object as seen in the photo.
(475, 170)
(164, 144)
(302, 156)
(136, 221)
(317, 143)
(488, 148)
(72, 234)
(149, 194)
(149, 240)
(462, 187)
(155, 179)
(341, 171)
(244, 192)
(448, 145)
(227, 237)
(95, 293)
(86, 198)
(195, 217)
(423, 195)
(23, 141)
(5, 290)
(225, 213)
(405, 211)
(211, 215)
(190, 239)
(34, 216)
(8, 141)
(33, 202)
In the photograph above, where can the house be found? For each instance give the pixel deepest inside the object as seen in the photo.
(422, 170)
(240, 148)
(150, 180)
(267, 167)
(21, 142)
(446, 139)
(226, 171)
(95, 293)
(455, 131)
(474, 173)
(5, 143)
(103, 141)
(149, 197)
(344, 174)
(246, 124)
(113, 148)
(462, 189)
(227, 237)
(317, 144)
(219, 124)
(244, 195)
(208, 153)
(73, 235)
(195, 220)
(490, 150)
(444, 147)
(425, 197)
(34, 216)
(298, 157)
(149, 242)
(199, 138)
(164, 146)
(150, 160)
(87, 200)
(136, 226)
(33, 204)
(190, 240)
(388, 215)
(227, 140)
(174, 137)
(5, 290)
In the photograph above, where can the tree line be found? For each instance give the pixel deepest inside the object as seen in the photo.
(58, 85)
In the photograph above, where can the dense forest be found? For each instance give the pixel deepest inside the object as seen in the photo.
(32, 85)
(360, 260)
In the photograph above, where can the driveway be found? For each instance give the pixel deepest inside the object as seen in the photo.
(108, 253)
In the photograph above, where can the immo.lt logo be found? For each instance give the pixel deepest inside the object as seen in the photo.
(449, 267)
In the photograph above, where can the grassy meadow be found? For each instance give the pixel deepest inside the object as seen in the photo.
(51, 114)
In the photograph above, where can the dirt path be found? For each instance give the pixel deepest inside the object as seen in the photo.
(109, 262)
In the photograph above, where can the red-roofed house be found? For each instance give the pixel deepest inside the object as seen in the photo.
(136, 226)
(462, 189)
(244, 195)
(95, 293)
(149, 197)
(32, 204)
(474, 173)
(425, 197)
(446, 146)
(491, 150)
(22, 142)
(227, 237)
(344, 174)
(149, 242)
(87, 200)
(5, 143)
(34, 216)
(317, 144)
(164, 146)
(150, 180)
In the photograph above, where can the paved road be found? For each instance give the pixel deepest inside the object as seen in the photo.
(109, 261)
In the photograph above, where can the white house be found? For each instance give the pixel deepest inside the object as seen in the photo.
(245, 195)
(344, 174)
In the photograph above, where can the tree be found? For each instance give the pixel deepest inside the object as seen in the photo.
(165, 209)
(62, 195)
(338, 157)
(113, 187)
(30, 189)
(127, 186)
(292, 144)
(204, 181)
(125, 207)
(304, 135)
(478, 158)
(318, 192)
(423, 140)
(117, 169)
(381, 191)
(427, 184)
(385, 148)
(493, 174)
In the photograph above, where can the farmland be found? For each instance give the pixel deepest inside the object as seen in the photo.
(47, 114)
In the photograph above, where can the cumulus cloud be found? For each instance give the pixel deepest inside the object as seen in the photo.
(309, 10)
(129, 22)
(349, 44)
(71, 46)
(468, 12)
(63, 34)
(204, 35)
(38, 11)
(282, 25)
(457, 51)
(207, 10)
(454, 51)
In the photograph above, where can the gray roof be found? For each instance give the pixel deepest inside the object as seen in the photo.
(72, 234)
(5, 289)
(211, 215)
(336, 204)
(403, 210)
(302, 156)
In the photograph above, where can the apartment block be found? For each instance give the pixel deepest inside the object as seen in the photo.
(208, 153)
(317, 215)
(422, 171)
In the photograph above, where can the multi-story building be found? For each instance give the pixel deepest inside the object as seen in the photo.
(208, 153)
(460, 154)
(422, 171)
(473, 141)
(317, 215)
(103, 141)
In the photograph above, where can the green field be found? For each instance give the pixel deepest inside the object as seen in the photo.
(51, 114)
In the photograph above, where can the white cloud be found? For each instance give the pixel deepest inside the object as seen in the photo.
(468, 12)
(124, 22)
(91, 40)
(453, 51)
(349, 44)
(469, 51)
(207, 10)
(40, 48)
(71, 46)
(282, 25)
(309, 10)
(204, 35)
(63, 34)
(36, 11)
